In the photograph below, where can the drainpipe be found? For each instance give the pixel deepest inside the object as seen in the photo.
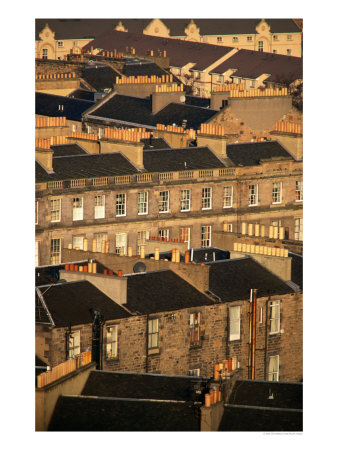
(253, 299)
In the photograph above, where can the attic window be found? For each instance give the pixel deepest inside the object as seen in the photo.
(235, 39)
(219, 39)
(60, 44)
(249, 38)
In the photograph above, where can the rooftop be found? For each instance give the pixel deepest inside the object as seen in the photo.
(250, 153)
(58, 106)
(232, 280)
(71, 303)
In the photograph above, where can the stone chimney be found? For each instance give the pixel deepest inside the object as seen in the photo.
(162, 99)
(45, 158)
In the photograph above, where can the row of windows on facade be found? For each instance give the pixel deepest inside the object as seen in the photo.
(121, 240)
(164, 201)
(111, 344)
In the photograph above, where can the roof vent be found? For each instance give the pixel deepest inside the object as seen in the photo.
(139, 267)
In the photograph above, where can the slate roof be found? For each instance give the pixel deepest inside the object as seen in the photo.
(232, 280)
(297, 269)
(160, 291)
(187, 158)
(85, 166)
(70, 303)
(79, 413)
(251, 418)
(256, 393)
(138, 110)
(144, 385)
(192, 100)
(48, 105)
(74, 28)
(249, 407)
(99, 77)
(179, 52)
(84, 28)
(68, 150)
(82, 94)
(251, 64)
(137, 67)
(250, 153)
(154, 143)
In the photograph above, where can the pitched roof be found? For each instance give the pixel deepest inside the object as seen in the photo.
(250, 153)
(257, 393)
(137, 67)
(74, 28)
(68, 150)
(232, 280)
(179, 52)
(79, 413)
(187, 158)
(71, 303)
(48, 105)
(154, 143)
(152, 292)
(253, 418)
(85, 166)
(221, 27)
(144, 385)
(136, 110)
(100, 77)
(251, 64)
(82, 94)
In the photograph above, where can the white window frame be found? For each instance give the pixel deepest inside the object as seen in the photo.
(164, 233)
(185, 200)
(142, 203)
(55, 209)
(206, 198)
(253, 194)
(195, 329)
(299, 190)
(99, 206)
(77, 208)
(100, 237)
(229, 227)
(121, 204)
(121, 240)
(55, 251)
(77, 242)
(228, 196)
(153, 334)
(299, 229)
(112, 341)
(183, 235)
(163, 206)
(74, 344)
(74, 127)
(142, 236)
(277, 192)
(274, 315)
(206, 236)
(273, 374)
(234, 323)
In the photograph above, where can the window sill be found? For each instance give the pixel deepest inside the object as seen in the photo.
(142, 214)
(121, 215)
(227, 207)
(153, 351)
(256, 204)
(235, 339)
(195, 346)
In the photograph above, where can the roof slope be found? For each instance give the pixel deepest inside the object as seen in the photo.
(144, 385)
(115, 414)
(188, 158)
(232, 280)
(86, 166)
(251, 64)
(48, 105)
(257, 393)
(68, 150)
(138, 110)
(99, 77)
(160, 291)
(70, 303)
(179, 52)
(74, 28)
(250, 153)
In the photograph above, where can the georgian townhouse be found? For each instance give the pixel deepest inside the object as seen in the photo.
(143, 327)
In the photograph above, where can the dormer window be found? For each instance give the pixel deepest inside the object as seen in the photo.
(275, 37)
(235, 39)
(60, 44)
(219, 39)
